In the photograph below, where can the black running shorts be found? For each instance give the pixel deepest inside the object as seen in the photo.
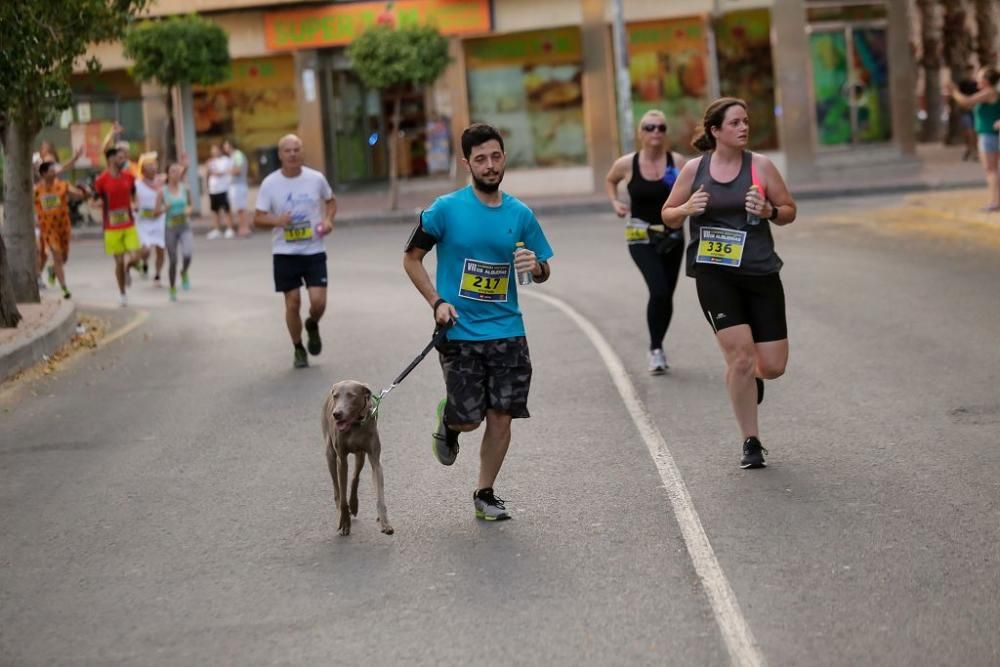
(729, 299)
(485, 375)
(293, 271)
(219, 201)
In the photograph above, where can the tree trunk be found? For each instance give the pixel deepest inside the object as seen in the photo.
(9, 314)
(930, 61)
(397, 103)
(957, 57)
(986, 32)
(19, 219)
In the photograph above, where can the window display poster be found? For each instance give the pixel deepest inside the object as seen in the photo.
(667, 68)
(529, 85)
(256, 106)
(743, 45)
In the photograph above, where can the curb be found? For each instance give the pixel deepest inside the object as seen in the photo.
(17, 356)
(598, 204)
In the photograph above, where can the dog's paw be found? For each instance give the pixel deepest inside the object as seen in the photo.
(385, 527)
(345, 525)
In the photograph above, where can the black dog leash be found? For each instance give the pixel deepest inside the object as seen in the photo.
(440, 333)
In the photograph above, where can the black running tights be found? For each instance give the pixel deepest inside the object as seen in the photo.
(660, 273)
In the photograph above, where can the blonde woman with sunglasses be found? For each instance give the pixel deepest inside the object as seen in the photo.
(650, 173)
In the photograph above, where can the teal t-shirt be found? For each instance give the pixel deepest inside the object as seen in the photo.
(475, 261)
(985, 115)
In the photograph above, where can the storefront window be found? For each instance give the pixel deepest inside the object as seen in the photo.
(529, 86)
(667, 69)
(743, 45)
(256, 106)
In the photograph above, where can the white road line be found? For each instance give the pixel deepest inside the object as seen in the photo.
(743, 648)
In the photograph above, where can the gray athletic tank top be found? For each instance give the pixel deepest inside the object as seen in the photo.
(727, 210)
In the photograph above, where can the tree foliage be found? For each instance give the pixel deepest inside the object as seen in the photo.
(178, 50)
(42, 41)
(386, 58)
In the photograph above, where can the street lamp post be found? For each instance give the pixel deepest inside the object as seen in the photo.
(625, 120)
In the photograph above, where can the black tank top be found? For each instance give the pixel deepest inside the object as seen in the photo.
(648, 197)
(727, 210)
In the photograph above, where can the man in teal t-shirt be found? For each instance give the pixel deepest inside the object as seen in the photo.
(486, 364)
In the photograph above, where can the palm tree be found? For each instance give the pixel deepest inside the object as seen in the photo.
(986, 32)
(930, 60)
(957, 42)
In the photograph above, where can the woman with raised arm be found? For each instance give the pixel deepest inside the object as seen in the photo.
(732, 196)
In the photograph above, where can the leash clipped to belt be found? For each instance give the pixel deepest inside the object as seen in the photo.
(440, 332)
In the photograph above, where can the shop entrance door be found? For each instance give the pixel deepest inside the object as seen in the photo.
(353, 125)
(850, 74)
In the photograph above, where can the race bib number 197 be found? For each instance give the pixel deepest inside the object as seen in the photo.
(484, 281)
(299, 231)
(721, 246)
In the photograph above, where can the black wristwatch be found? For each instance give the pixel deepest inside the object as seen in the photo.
(774, 213)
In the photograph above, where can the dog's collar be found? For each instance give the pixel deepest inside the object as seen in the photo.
(370, 412)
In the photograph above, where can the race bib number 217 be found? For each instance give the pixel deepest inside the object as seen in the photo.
(484, 281)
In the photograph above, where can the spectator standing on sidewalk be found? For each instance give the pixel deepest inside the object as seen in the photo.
(238, 188)
(220, 176)
(297, 203)
(985, 105)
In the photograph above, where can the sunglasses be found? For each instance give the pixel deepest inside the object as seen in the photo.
(649, 127)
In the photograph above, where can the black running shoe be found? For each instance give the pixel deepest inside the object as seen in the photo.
(313, 342)
(301, 360)
(760, 390)
(753, 454)
(444, 441)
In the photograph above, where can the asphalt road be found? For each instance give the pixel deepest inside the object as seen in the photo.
(164, 500)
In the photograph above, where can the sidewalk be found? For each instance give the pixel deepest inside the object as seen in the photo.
(45, 327)
(941, 169)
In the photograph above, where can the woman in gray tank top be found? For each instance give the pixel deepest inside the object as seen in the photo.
(732, 197)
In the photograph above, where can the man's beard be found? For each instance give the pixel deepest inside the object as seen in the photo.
(487, 188)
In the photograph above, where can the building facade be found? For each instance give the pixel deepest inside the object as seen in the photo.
(829, 84)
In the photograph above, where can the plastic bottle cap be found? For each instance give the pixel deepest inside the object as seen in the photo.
(519, 244)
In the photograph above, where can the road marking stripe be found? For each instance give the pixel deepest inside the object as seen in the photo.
(743, 648)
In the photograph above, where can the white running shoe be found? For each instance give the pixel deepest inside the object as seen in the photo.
(657, 362)
(214, 234)
(123, 300)
(230, 234)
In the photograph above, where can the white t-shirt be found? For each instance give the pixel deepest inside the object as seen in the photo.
(305, 197)
(219, 182)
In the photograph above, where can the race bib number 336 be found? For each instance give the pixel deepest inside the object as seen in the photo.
(484, 281)
(721, 246)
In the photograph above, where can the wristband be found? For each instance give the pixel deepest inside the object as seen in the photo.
(436, 304)
(774, 213)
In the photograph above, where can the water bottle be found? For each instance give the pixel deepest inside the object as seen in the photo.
(523, 277)
(753, 218)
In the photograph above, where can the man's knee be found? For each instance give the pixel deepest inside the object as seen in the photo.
(293, 301)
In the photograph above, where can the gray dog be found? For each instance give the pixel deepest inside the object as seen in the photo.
(350, 428)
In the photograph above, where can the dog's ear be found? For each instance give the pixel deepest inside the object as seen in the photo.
(367, 391)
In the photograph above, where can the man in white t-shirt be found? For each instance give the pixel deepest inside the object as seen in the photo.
(238, 188)
(220, 175)
(298, 204)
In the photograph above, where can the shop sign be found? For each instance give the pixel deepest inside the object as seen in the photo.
(338, 25)
(559, 45)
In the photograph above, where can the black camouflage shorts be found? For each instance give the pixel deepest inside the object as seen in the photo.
(485, 375)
